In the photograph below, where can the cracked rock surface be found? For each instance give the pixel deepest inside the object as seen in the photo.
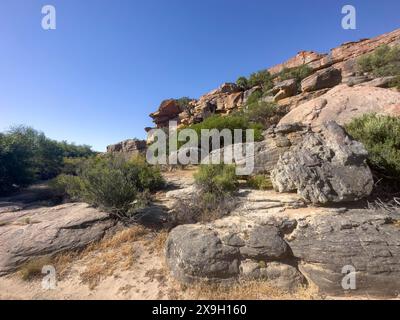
(33, 233)
(275, 237)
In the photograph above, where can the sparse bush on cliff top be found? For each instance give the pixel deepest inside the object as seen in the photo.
(230, 122)
(381, 136)
(384, 61)
(261, 78)
(112, 183)
(297, 73)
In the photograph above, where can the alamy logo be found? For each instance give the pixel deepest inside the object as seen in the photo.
(349, 280)
(49, 20)
(49, 281)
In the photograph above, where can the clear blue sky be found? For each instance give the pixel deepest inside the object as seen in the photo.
(109, 64)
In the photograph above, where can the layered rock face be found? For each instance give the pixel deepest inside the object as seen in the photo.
(329, 70)
(344, 103)
(272, 238)
(325, 167)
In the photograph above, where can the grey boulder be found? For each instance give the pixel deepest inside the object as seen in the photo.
(325, 167)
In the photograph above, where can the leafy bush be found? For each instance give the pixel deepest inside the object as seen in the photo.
(112, 183)
(217, 179)
(26, 156)
(202, 207)
(297, 73)
(263, 113)
(254, 97)
(260, 182)
(215, 199)
(381, 137)
(262, 78)
(183, 102)
(242, 83)
(384, 61)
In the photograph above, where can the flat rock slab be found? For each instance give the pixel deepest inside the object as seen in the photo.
(29, 234)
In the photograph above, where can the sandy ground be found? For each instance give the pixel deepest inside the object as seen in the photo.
(145, 277)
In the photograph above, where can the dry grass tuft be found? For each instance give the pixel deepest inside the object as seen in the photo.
(111, 254)
(33, 269)
(248, 290)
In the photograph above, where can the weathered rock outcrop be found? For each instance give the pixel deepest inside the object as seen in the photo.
(325, 167)
(343, 103)
(329, 70)
(269, 237)
(131, 147)
(169, 110)
(366, 240)
(266, 154)
(325, 78)
(248, 244)
(30, 234)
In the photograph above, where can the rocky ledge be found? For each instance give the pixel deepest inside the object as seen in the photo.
(34, 233)
(271, 237)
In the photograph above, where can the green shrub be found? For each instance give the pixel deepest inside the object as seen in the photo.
(262, 78)
(71, 166)
(254, 97)
(260, 182)
(112, 183)
(217, 179)
(381, 137)
(263, 113)
(242, 83)
(297, 73)
(27, 155)
(214, 200)
(384, 61)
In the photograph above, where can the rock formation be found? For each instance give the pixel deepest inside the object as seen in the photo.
(329, 70)
(325, 167)
(131, 147)
(33, 233)
(343, 103)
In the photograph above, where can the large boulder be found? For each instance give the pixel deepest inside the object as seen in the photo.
(289, 244)
(195, 253)
(169, 110)
(330, 245)
(284, 89)
(30, 234)
(325, 78)
(344, 103)
(325, 167)
(130, 146)
(277, 140)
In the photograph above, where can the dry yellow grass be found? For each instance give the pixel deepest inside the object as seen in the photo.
(110, 254)
(247, 290)
(33, 268)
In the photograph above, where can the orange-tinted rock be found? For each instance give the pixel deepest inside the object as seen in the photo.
(344, 103)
